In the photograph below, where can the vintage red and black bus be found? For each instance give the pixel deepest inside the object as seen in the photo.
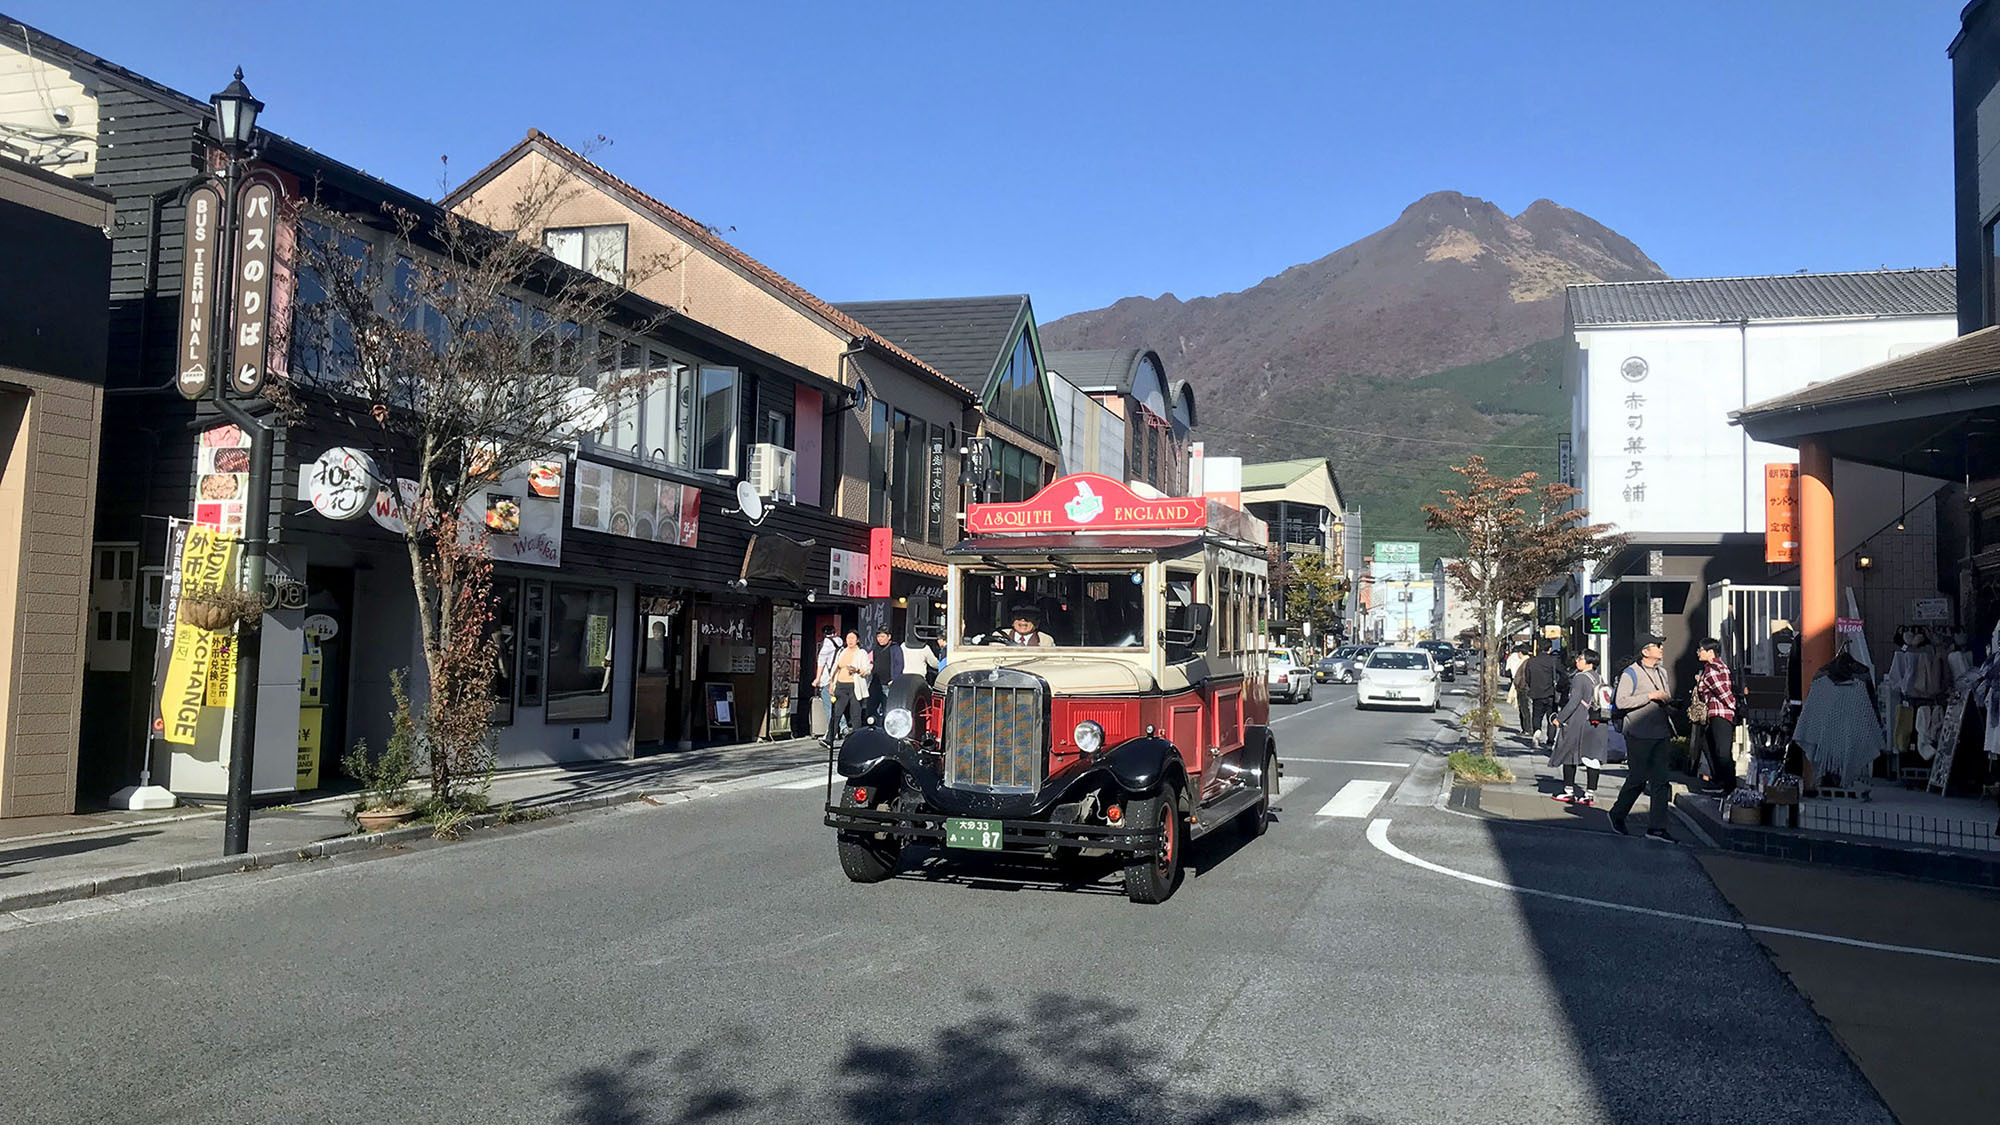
(1103, 692)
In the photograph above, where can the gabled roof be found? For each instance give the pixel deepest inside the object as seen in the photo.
(1278, 474)
(700, 234)
(1804, 296)
(967, 338)
(1972, 357)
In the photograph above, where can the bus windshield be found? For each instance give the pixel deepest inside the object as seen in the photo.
(1083, 609)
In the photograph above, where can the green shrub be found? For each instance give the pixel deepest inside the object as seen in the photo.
(1478, 769)
(385, 777)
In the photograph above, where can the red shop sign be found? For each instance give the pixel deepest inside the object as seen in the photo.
(1088, 502)
(881, 545)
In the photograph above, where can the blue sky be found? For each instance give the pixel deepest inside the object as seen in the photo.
(1090, 150)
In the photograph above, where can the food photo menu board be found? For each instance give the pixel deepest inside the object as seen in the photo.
(521, 511)
(222, 478)
(636, 506)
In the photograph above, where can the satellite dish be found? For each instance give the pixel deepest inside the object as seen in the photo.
(747, 500)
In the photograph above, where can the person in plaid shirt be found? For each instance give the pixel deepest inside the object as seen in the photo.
(1716, 690)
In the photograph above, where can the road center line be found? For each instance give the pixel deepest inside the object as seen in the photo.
(1378, 835)
(1355, 799)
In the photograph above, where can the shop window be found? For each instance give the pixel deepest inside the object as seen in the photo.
(716, 440)
(1992, 274)
(909, 485)
(580, 652)
(533, 641)
(599, 250)
(505, 629)
(878, 464)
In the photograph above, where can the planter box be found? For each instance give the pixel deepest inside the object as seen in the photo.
(1743, 814)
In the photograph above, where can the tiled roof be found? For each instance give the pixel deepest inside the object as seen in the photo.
(1804, 296)
(1975, 355)
(699, 233)
(964, 337)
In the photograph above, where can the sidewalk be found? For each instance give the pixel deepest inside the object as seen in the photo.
(60, 861)
(1530, 797)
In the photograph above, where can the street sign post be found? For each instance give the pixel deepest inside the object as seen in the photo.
(1593, 616)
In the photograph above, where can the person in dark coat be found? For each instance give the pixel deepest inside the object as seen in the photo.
(888, 666)
(1541, 679)
(1581, 738)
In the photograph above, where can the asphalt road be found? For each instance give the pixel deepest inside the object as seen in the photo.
(707, 961)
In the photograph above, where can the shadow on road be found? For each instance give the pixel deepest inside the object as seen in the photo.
(1051, 1058)
(12, 856)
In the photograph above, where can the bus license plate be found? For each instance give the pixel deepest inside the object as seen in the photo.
(980, 835)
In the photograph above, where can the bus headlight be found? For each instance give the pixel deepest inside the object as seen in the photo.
(898, 723)
(1089, 737)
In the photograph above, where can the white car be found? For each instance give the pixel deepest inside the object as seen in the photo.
(1397, 677)
(1288, 681)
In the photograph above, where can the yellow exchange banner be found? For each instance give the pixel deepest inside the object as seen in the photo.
(201, 670)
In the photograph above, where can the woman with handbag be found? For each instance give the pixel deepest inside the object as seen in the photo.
(1582, 730)
(1713, 714)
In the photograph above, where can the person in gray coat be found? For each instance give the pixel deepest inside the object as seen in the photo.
(1640, 697)
(1582, 732)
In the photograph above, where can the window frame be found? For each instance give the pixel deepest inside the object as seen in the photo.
(583, 234)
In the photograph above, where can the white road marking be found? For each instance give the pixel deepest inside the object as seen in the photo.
(1378, 835)
(1307, 711)
(816, 781)
(1290, 782)
(1355, 799)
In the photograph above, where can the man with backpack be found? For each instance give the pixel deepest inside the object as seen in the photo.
(1639, 708)
(1541, 679)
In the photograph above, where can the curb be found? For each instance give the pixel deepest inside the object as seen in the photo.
(345, 845)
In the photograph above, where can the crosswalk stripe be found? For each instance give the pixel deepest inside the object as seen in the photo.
(1355, 799)
(1290, 782)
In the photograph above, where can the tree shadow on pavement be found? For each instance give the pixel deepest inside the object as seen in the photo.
(1054, 1058)
(31, 853)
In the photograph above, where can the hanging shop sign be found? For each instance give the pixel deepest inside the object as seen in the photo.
(636, 505)
(204, 209)
(723, 624)
(342, 482)
(256, 217)
(1930, 609)
(388, 508)
(321, 627)
(847, 573)
(222, 478)
(1087, 502)
(521, 510)
(1781, 513)
(937, 488)
(881, 549)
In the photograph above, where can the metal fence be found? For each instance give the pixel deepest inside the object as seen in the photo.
(1940, 831)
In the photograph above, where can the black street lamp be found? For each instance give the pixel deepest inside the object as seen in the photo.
(238, 332)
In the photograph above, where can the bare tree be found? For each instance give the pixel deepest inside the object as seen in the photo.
(1508, 553)
(472, 352)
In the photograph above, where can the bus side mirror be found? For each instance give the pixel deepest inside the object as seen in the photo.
(927, 632)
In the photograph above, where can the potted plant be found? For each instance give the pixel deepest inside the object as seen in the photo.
(385, 777)
(217, 608)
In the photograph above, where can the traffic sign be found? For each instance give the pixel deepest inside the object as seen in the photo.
(1593, 615)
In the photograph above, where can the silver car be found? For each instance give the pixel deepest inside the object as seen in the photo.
(1342, 665)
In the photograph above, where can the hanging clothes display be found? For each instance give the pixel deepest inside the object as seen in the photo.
(1838, 729)
(1986, 693)
(1916, 682)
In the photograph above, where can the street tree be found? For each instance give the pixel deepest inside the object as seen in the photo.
(469, 353)
(1313, 591)
(1515, 533)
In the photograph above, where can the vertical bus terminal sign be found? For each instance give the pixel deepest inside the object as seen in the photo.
(204, 208)
(256, 207)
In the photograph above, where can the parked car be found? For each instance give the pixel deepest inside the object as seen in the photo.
(1398, 677)
(1287, 680)
(1342, 665)
(1445, 657)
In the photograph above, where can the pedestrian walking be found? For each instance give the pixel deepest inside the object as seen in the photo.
(1512, 667)
(850, 687)
(1583, 732)
(1714, 715)
(1541, 678)
(886, 667)
(829, 647)
(1639, 704)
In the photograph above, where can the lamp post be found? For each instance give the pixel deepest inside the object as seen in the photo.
(238, 320)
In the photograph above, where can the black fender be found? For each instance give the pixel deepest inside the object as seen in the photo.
(909, 691)
(1141, 764)
(868, 751)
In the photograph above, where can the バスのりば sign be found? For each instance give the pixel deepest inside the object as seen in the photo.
(1088, 502)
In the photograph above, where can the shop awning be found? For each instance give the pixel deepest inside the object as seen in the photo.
(1925, 413)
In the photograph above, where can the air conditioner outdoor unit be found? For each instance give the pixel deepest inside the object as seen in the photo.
(772, 469)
